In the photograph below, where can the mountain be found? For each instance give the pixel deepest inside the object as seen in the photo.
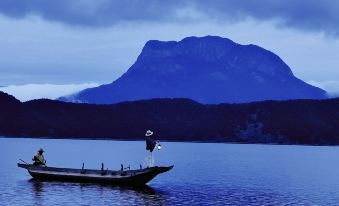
(313, 122)
(208, 70)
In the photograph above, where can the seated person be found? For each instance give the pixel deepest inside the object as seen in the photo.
(39, 159)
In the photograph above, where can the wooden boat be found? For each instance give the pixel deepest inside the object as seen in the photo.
(120, 177)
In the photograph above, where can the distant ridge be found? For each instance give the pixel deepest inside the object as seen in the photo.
(313, 122)
(206, 69)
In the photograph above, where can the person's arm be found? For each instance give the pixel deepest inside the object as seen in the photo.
(35, 159)
(38, 159)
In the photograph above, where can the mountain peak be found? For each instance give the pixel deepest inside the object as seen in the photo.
(210, 48)
(189, 39)
(208, 38)
(193, 41)
(208, 69)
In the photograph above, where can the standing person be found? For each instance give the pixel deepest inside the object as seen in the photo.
(39, 159)
(150, 143)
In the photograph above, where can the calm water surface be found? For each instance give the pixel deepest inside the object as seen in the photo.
(204, 174)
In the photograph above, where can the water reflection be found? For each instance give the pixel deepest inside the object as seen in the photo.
(108, 194)
(37, 186)
(144, 195)
(37, 191)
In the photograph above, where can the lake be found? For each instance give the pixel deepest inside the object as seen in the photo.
(203, 174)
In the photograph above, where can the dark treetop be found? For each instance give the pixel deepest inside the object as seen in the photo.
(284, 122)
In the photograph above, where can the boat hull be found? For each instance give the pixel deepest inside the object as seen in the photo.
(129, 177)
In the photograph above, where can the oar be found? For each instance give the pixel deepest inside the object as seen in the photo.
(23, 161)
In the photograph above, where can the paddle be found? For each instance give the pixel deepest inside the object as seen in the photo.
(23, 161)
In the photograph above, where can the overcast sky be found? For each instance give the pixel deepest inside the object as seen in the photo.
(90, 42)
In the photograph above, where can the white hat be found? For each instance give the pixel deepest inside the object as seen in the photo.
(148, 133)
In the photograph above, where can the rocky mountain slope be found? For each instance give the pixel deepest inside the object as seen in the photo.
(208, 70)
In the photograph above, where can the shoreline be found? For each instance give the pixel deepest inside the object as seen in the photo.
(175, 141)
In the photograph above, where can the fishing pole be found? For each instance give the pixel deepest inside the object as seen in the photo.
(23, 161)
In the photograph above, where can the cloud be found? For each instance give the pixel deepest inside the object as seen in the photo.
(92, 13)
(48, 91)
(302, 14)
(35, 51)
(332, 87)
